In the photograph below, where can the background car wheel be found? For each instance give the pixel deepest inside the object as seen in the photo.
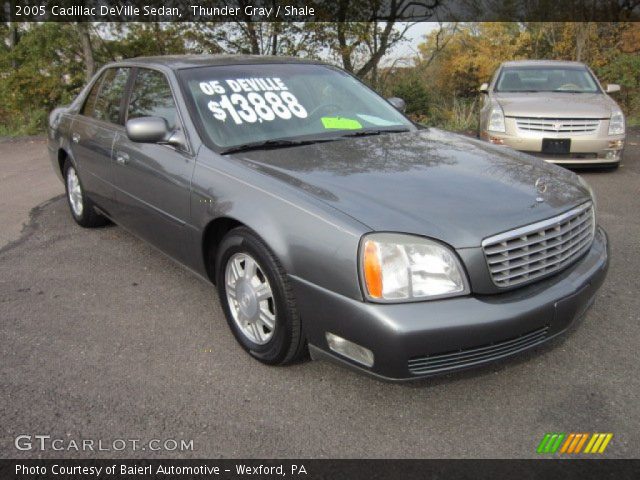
(80, 205)
(257, 299)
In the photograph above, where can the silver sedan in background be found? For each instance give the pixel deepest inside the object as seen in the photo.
(555, 110)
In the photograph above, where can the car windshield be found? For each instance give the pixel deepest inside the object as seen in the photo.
(546, 79)
(248, 104)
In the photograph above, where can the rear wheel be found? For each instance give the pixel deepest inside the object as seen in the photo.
(82, 208)
(257, 299)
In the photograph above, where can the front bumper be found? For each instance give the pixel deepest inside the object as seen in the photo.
(417, 340)
(586, 149)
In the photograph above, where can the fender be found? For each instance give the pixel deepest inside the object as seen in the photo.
(300, 230)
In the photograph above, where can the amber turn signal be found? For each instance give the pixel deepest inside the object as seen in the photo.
(372, 269)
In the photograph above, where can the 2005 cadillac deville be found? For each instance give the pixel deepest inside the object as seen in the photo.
(327, 219)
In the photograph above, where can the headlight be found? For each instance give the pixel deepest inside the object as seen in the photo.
(496, 120)
(616, 123)
(584, 183)
(397, 267)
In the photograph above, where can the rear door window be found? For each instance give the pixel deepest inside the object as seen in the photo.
(108, 101)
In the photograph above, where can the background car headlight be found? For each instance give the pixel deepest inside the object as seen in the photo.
(496, 120)
(397, 267)
(616, 123)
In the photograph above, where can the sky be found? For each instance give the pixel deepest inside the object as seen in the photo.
(414, 36)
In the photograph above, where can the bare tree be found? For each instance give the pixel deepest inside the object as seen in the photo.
(87, 49)
(378, 35)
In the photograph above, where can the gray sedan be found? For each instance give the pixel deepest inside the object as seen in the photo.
(328, 221)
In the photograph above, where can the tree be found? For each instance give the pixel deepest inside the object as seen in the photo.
(409, 86)
(360, 46)
(126, 40)
(87, 49)
(46, 74)
(268, 38)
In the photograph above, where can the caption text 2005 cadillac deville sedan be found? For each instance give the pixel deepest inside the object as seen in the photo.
(327, 220)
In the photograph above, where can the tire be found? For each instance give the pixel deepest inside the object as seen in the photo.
(240, 291)
(80, 205)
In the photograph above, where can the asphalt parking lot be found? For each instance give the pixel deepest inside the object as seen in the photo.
(104, 338)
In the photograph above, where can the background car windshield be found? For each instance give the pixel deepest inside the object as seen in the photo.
(546, 79)
(244, 104)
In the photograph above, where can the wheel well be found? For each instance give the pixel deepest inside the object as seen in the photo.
(213, 235)
(62, 156)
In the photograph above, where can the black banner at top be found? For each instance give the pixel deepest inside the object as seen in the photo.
(318, 10)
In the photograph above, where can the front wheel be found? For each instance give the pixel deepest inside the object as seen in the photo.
(257, 299)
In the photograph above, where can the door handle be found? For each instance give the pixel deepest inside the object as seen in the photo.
(122, 158)
(75, 138)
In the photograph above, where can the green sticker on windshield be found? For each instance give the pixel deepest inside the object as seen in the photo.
(341, 123)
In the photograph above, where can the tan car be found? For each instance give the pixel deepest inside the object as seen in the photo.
(555, 110)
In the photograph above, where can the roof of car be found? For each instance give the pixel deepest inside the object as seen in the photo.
(542, 63)
(189, 61)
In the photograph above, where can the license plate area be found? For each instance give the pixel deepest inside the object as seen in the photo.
(556, 146)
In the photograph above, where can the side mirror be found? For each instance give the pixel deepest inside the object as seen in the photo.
(613, 87)
(147, 130)
(398, 103)
(484, 88)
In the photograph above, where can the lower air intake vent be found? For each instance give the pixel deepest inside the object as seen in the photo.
(443, 362)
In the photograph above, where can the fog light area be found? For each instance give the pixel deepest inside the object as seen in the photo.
(613, 154)
(350, 350)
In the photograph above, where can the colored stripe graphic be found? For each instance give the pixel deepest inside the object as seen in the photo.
(573, 443)
(567, 442)
(557, 443)
(581, 443)
(598, 442)
(550, 443)
(543, 443)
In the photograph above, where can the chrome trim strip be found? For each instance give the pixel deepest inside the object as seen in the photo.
(532, 228)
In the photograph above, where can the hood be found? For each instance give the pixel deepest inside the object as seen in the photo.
(555, 105)
(429, 182)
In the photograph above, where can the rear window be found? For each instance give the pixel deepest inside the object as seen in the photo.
(87, 108)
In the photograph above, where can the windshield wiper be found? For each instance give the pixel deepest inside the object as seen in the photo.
(364, 133)
(291, 142)
(273, 143)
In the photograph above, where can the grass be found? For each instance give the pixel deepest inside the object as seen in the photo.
(456, 115)
(633, 121)
(20, 124)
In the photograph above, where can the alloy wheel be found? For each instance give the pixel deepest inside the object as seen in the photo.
(250, 298)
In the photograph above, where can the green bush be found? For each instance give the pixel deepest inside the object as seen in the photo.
(624, 69)
(414, 92)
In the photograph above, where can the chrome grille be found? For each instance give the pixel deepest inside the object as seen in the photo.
(558, 125)
(443, 362)
(534, 251)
